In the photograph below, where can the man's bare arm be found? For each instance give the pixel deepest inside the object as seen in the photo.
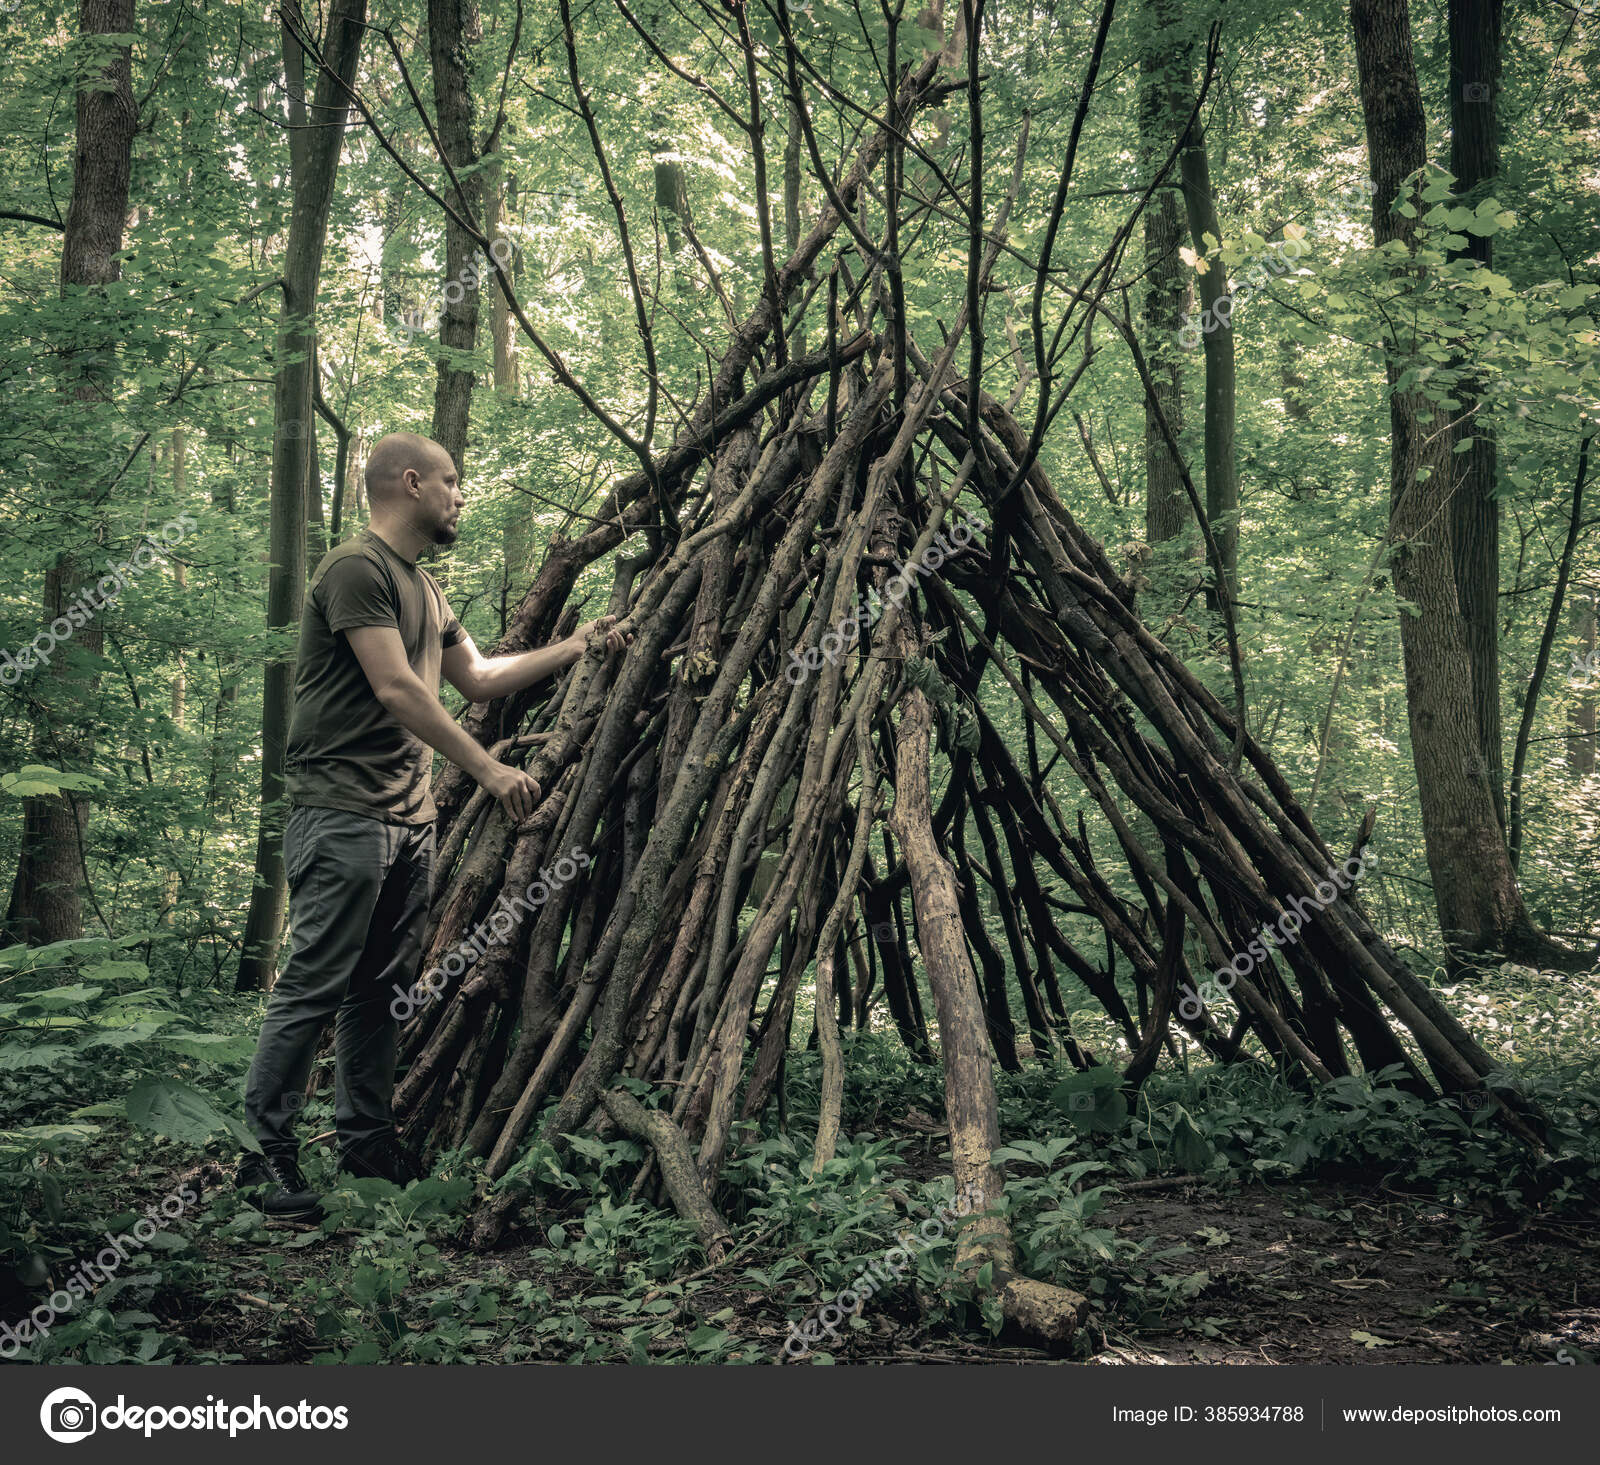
(482, 678)
(417, 708)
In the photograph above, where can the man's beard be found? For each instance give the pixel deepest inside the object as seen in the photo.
(446, 532)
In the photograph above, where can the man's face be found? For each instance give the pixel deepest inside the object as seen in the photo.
(438, 501)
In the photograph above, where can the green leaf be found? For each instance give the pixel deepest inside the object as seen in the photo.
(365, 1285)
(55, 998)
(1190, 1148)
(34, 779)
(123, 1037)
(14, 1056)
(176, 1110)
(51, 1197)
(1093, 1101)
(117, 971)
(210, 1047)
(37, 1135)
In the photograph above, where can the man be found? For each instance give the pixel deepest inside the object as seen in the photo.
(358, 842)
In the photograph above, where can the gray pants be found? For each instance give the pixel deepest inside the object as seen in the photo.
(358, 903)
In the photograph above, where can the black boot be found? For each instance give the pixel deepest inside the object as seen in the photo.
(274, 1185)
(384, 1158)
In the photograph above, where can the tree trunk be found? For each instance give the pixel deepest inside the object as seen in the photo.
(499, 197)
(1050, 1314)
(1580, 717)
(315, 141)
(1475, 888)
(46, 902)
(1211, 279)
(1166, 291)
(453, 27)
(1474, 27)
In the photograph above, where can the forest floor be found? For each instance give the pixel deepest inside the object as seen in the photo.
(1225, 1216)
(1342, 1273)
(1330, 1274)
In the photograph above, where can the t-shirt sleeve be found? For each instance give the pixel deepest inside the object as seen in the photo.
(355, 592)
(450, 629)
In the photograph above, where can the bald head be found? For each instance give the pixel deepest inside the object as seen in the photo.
(411, 481)
(392, 455)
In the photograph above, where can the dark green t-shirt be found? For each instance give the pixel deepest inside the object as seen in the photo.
(345, 750)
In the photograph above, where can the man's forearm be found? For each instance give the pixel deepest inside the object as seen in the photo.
(503, 675)
(422, 714)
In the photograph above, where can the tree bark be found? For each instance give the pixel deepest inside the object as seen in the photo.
(454, 27)
(46, 900)
(315, 140)
(499, 198)
(1474, 27)
(1050, 1314)
(1211, 281)
(1580, 717)
(1166, 293)
(1475, 888)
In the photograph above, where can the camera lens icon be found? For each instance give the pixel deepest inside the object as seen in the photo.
(1081, 1102)
(68, 1415)
(884, 933)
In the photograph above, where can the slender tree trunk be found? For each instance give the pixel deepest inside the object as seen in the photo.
(1211, 278)
(46, 902)
(1166, 296)
(1222, 472)
(791, 182)
(180, 570)
(454, 26)
(390, 292)
(517, 536)
(1580, 717)
(1474, 27)
(315, 141)
(317, 543)
(180, 674)
(499, 193)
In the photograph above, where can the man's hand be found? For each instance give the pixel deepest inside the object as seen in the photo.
(517, 791)
(615, 640)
